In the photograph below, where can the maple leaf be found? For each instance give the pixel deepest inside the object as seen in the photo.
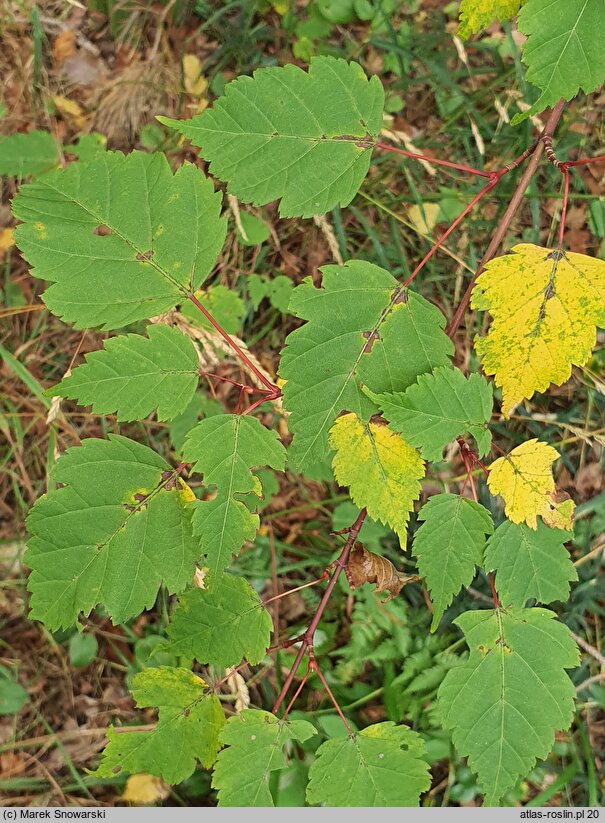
(449, 546)
(133, 374)
(190, 719)
(530, 563)
(504, 704)
(117, 530)
(525, 480)
(380, 468)
(545, 306)
(254, 743)
(563, 51)
(304, 137)
(437, 408)
(383, 765)
(161, 234)
(225, 448)
(362, 327)
(478, 14)
(221, 624)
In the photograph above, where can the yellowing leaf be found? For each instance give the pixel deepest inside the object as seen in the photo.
(380, 468)
(477, 14)
(71, 111)
(424, 219)
(545, 305)
(524, 479)
(144, 789)
(6, 241)
(193, 80)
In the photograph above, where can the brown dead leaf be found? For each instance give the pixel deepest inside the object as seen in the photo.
(366, 567)
(64, 46)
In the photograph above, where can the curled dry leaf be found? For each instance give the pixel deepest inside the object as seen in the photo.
(366, 567)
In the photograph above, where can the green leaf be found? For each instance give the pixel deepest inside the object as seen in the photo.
(83, 649)
(224, 305)
(478, 14)
(381, 469)
(530, 563)
(88, 146)
(255, 743)
(190, 720)
(25, 155)
(12, 695)
(278, 290)
(326, 360)
(132, 375)
(439, 407)
(117, 530)
(306, 138)
(564, 51)
(257, 231)
(449, 545)
(383, 765)
(222, 624)
(161, 234)
(224, 449)
(504, 704)
(200, 405)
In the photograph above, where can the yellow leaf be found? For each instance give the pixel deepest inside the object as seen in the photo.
(6, 241)
(545, 306)
(380, 468)
(144, 789)
(524, 479)
(70, 110)
(424, 219)
(193, 80)
(477, 14)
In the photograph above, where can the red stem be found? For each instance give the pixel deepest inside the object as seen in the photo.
(434, 160)
(566, 177)
(586, 161)
(307, 638)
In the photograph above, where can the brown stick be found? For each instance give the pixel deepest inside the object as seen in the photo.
(509, 215)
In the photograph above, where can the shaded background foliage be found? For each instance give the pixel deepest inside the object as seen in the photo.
(107, 69)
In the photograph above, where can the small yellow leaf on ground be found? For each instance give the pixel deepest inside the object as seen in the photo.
(424, 219)
(6, 241)
(525, 480)
(545, 306)
(64, 46)
(145, 789)
(381, 470)
(70, 111)
(193, 80)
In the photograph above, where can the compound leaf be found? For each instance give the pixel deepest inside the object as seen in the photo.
(132, 375)
(24, 155)
(190, 720)
(380, 468)
(530, 563)
(306, 138)
(383, 765)
(439, 407)
(224, 448)
(504, 704)
(478, 14)
(222, 624)
(159, 236)
(255, 743)
(564, 51)
(449, 546)
(362, 326)
(545, 305)
(524, 479)
(116, 531)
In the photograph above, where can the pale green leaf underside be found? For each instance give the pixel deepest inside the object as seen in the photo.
(449, 546)
(381, 766)
(255, 747)
(132, 375)
(225, 448)
(326, 361)
(565, 49)
(505, 703)
(438, 408)
(222, 624)
(116, 531)
(165, 234)
(530, 563)
(23, 155)
(190, 720)
(306, 138)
